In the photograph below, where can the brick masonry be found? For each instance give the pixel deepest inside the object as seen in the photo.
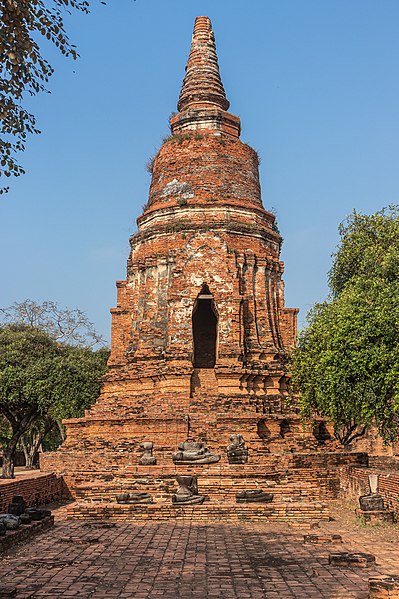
(36, 489)
(87, 559)
(200, 334)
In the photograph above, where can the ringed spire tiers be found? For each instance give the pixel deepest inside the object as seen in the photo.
(202, 84)
(202, 103)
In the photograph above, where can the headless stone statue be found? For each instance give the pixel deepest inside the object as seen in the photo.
(147, 459)
(134, 498)
(187, 493)
(17, 505)
(194, 453)
(237, 453)
(37, 514)
(255, 496)
(10, 521)
(373, 501)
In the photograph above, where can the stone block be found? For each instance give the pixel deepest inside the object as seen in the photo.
(346, 559)
(321, 539)
(384, 587)
(376, 516)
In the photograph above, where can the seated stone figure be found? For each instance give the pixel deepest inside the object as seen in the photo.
(237, 453)
(187, 493)
(194, 453)
(147, 459)
(134, 498)
(255, 496)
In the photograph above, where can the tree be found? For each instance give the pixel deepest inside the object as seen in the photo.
(369, 248)
(40, 380)
(62, 324)
(25, 70)
(346, 365)
(86, 368)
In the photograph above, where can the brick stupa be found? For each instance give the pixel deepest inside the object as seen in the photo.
(199, 341)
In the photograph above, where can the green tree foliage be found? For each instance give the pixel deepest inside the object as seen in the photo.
(24, 70)
(41, 381)
(346, 365)
(369, 248)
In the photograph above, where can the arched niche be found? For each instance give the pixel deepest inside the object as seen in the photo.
(263, 430)
(285, 428)
(320, 432)
(205, 329)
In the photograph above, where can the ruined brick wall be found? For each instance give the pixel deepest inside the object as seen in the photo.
(354, 483)
(39, 489)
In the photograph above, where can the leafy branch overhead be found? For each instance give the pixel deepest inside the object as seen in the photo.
(62, 324)
(24, 70)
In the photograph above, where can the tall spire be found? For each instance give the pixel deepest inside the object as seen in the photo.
(203, 104)
(202, 85)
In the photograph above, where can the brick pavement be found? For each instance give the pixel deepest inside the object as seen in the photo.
(183, 561)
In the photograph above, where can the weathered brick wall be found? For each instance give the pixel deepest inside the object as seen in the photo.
(39, 489)
(354, 483)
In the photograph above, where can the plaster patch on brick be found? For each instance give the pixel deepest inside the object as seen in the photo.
(182, 190)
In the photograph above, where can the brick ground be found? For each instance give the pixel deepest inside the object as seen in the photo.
(176, 561)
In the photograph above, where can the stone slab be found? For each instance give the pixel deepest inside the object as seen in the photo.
(345, 558)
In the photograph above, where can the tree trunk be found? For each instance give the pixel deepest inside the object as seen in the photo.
(61, 429)
(8, 458)
(18, 428)
(25, 449)
(32, 463)
(38, 438)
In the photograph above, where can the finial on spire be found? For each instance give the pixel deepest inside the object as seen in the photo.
(202, 85)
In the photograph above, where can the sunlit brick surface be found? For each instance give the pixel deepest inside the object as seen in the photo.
(176, 561)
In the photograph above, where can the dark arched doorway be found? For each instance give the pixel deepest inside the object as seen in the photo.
(205, 323)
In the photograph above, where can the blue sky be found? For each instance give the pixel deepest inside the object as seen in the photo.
(315, 83)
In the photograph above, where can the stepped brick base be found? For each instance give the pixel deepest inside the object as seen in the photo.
(299, 513)
(299, 483)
